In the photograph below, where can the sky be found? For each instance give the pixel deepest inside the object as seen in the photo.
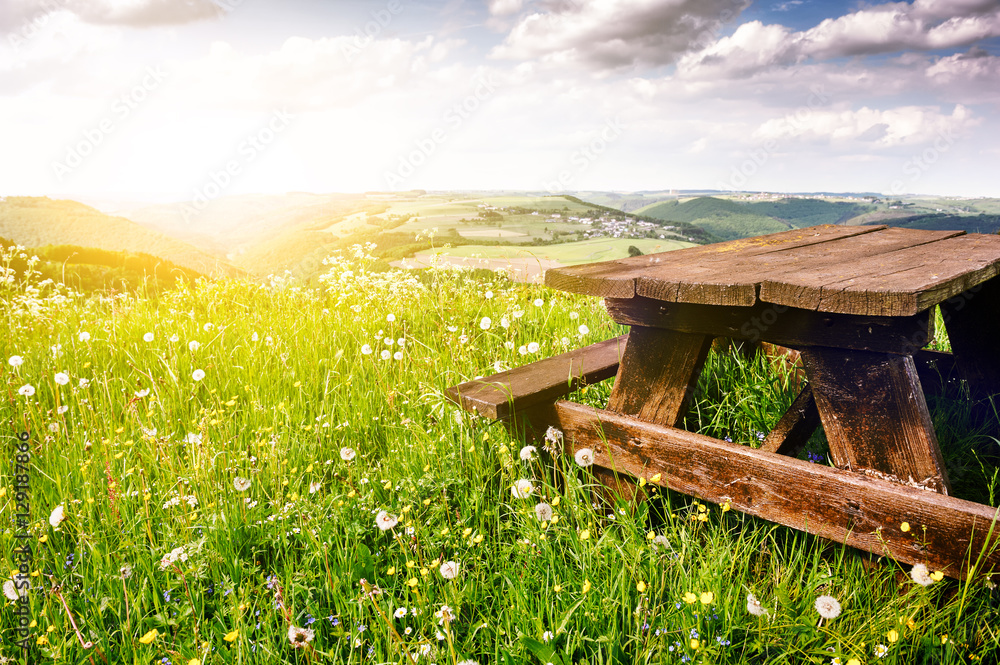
(189, 99)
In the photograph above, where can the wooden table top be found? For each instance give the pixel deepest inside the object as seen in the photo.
(868, 270)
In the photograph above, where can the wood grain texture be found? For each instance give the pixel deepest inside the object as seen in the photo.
(875, 414)
(616, 279)
(786, 326)
(898, 283)
(737, 280)
(973, 320)
(874, 271)
(839, 505)
(500, 395)
(791, 433)
(658, 374)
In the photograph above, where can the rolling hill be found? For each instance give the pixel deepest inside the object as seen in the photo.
(41, 222)
(730, 219)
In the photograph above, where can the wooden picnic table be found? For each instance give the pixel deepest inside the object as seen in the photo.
(858, 303)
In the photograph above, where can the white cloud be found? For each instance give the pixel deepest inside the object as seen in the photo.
(20, 15)
(867, 128)
(611, 34)
(504, 7)
(144, 13)
(886, 28)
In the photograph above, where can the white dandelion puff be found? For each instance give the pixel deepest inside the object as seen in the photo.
(828, 607)
(584, 457)
(300, 637)
(921, 575)
(385, 520)
(522, 489)
(57, 516)
(754, 607)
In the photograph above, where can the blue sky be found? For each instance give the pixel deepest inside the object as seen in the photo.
(177, 99)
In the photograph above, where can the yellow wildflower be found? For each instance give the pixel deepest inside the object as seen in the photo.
(149, 637)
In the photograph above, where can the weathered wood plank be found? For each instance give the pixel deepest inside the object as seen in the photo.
(787, 326)
(875, 414)
(658, 374)
(793, 430)
(500, 395)
(898, 283)
(972, 319)
(616, 279)
(842, 506)
(736, 280)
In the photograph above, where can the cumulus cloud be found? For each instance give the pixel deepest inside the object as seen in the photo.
(926, 25)
(845, 128)
(20, 15)
(612, 34)
(504, 7)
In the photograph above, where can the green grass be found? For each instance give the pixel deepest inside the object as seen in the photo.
(585, 251)
(145, 459)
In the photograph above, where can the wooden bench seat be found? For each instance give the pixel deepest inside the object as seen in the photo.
(542, 382)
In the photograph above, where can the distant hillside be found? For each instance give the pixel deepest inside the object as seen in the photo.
(810, 212)
(40, 222)
(981, 223)
(86, 270)
(720, 217)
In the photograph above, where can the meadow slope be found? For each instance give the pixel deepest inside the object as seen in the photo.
(238, 472)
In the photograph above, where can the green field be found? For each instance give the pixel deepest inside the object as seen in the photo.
(220, 472)
(587, 251)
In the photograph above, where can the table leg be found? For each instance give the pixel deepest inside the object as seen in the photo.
(658, 374)
(875, 415)
(972, 319)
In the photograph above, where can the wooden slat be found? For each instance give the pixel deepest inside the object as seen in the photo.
(735, 282)
(787, 326)
(839, 505)
(658, 374)
(792, 432)
(875, 415)
(500, 395)
(616, 279)
(894, 284)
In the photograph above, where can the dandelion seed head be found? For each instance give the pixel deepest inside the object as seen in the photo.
(828, 607)
(522, 489)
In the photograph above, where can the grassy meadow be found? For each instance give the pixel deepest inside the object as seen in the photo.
(239, 472)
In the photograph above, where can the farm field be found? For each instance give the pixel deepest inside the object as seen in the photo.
(235, 472)
(586, 251)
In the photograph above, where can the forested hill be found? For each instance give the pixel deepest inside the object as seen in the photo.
(41, 222)
(729, 219)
